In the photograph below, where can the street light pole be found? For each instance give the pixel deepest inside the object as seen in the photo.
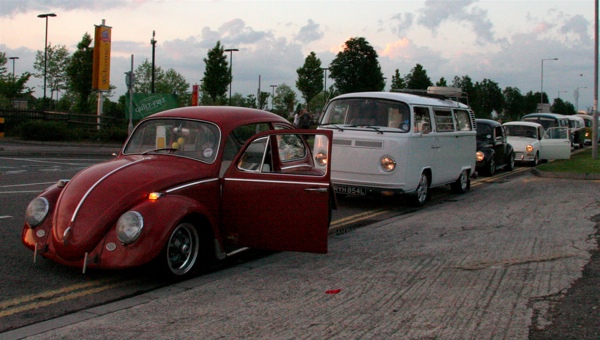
(324, 86)
(273, 86)
(46, 52)
(542, 87)
(153, 42)
(230, 50)
(13, 59)
(576, 95)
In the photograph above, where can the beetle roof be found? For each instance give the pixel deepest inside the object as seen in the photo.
(487, 121)
(226, 117)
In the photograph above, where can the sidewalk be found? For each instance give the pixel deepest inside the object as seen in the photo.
(487, 264)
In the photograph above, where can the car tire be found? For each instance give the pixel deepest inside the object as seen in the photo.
(180, 255)
(421, 195)
(536, 159)
(462, 184)
(510, 165)
(491, 168)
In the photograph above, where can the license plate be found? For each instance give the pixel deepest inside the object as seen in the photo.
(346, 190)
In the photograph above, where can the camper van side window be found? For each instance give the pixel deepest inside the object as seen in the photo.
(443, 121)
(422, 120)
(463, 121)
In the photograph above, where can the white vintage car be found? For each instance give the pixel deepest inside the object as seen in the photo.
(532, 143)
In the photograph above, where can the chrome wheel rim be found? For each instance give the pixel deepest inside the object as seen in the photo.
(422, 189)
(182, 249)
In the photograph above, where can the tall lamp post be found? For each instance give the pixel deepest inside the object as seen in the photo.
(542, 77)
(153, 42)
(13, 59)
(576, 95)
(324, 86)
(45, 16)
(273, 86)
(230, 50)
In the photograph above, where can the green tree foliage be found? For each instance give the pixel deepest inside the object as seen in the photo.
(466, 85)
(417, 79)
(167, 82)
(216, 75)
(284, 100)
(397, 81)
(56, 66)
(310, 79)
(562, 107)
(531, 102)
(356, 68)
(11, 86)
(263, 100)
(514, 104)
(441, 82)
(79, 74)
(488, 98)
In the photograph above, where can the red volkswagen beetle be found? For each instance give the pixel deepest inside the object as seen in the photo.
(189, 186)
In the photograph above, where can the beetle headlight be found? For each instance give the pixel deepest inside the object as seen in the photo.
(480, 156)
(529, 148)
(321, 158)
(387, 163)
(129, 227)
(36, 212)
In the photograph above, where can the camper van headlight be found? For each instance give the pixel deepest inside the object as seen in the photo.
(387, 163)
(529, 148)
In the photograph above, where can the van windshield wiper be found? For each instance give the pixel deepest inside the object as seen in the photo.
(376, 128)
(333, 125)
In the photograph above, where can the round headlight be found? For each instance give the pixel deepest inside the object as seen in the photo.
(529, 148)
(480, 156)
(321, 158)
(387, 163)
(129, 227)
(36, 212)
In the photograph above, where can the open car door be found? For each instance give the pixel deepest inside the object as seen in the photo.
(276, 195)
(555, 144)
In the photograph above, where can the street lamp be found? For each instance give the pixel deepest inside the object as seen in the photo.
(273, 86)
(230, 50)
(45, 16)
(576, 95)
(153, 42)
(324, 86)
(542, 88)
(13, 59)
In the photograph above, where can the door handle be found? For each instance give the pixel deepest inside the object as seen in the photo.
(317, 189)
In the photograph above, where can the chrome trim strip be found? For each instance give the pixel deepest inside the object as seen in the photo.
(191, 184)
(275, 181)
(98, 182)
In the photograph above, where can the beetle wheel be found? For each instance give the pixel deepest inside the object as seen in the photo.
(181, 251)
(491, 166)
(510, 165)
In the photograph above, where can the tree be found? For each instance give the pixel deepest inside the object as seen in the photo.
(263, 100)
(356, 68)
(56, 66)
(397, 81)
(417, 79)
(310, 78)
(514, 104)
(79, 74)
(466, 85)
(284, 100)
(531, 102)
(11, 87)
(168, 82)
(562, 107)
(441, 82)
(216, 75)
(488, 98)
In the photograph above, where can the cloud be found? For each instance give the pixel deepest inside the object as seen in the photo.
(436, 12)
(309, 33)
(404, 23)
(10, 8)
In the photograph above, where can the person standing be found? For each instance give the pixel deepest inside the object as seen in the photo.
(297, 119)
(305, 119)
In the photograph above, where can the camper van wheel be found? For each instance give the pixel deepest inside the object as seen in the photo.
(422, 194)
(462, 184)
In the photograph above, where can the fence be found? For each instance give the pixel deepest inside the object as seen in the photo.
(84, 121)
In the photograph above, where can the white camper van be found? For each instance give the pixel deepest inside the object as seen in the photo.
(399, 143)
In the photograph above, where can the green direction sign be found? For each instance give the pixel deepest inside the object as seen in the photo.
(147, 104)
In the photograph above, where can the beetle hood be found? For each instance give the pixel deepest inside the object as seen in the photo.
(95, 198)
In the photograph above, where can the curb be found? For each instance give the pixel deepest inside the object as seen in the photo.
(566, 175)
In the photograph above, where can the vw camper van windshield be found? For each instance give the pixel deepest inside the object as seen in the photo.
(368, 112)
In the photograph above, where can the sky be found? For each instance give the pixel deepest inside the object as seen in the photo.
(501, 40)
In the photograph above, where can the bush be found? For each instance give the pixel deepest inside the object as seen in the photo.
(111, 134)
(49, 131)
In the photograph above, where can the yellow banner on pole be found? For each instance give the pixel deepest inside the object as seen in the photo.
(101, 71)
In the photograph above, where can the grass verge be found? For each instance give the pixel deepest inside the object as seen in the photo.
(580, 162)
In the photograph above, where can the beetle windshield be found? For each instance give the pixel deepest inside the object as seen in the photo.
(368, 112)
(178, 137)
(521, 131)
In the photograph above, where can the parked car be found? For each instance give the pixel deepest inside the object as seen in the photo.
(532, 144)
(493, 150)
(577, 130)
(588, 121)
(190, 185)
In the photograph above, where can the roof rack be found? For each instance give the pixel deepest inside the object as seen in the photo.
(440, 92)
